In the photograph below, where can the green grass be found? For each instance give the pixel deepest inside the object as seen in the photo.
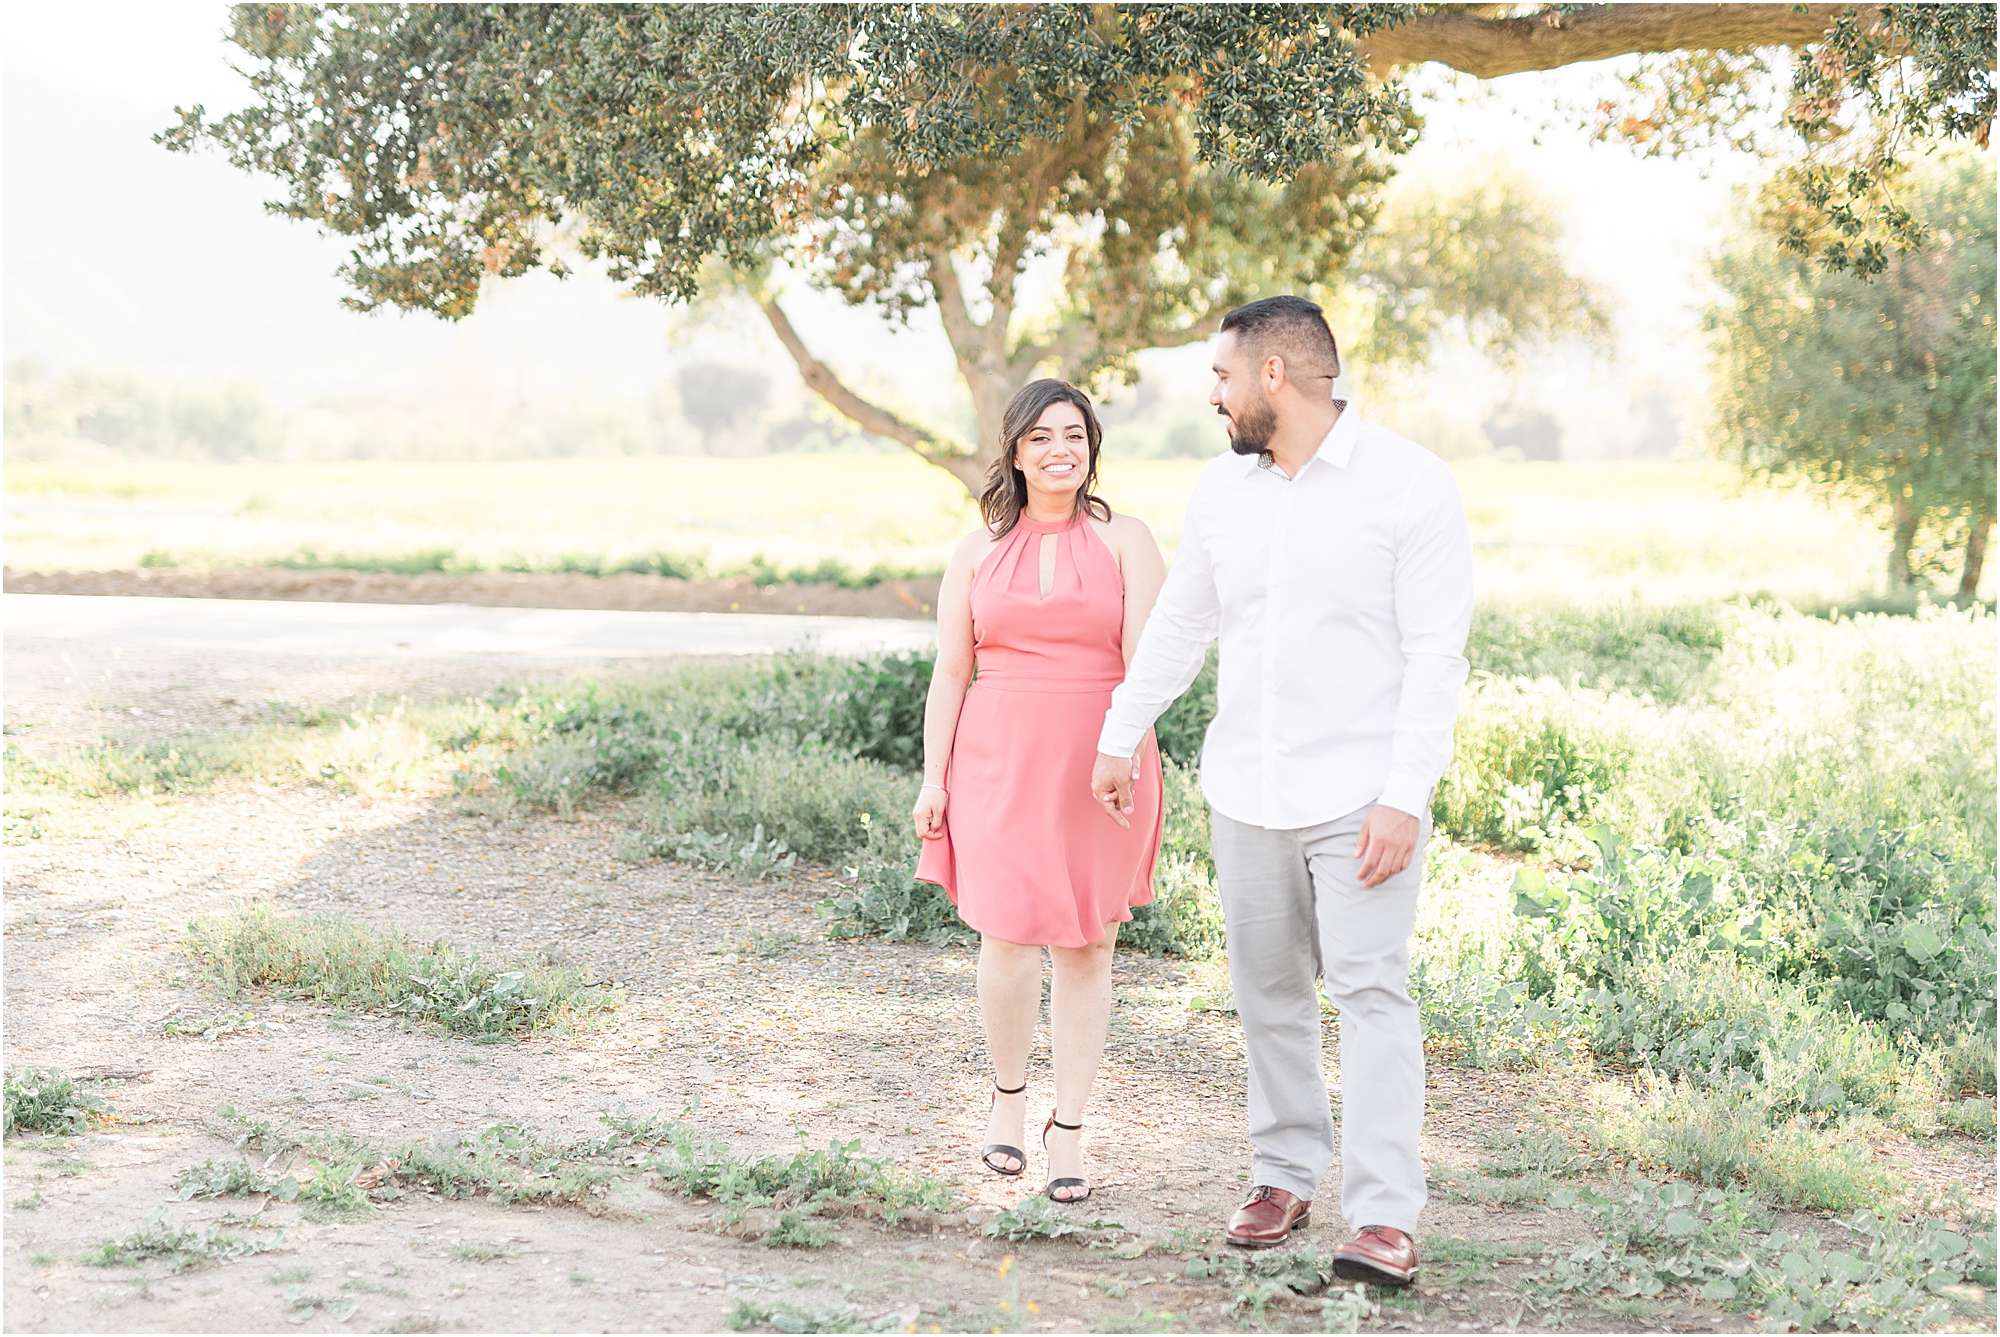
(331, 958)
(1597, 533)
(372, 749)
(758, 569)
(512, 1162)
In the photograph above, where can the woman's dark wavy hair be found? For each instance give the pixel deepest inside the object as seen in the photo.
(1006, 492)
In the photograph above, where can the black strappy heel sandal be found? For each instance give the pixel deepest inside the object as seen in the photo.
(992, 1149)
(1055, 1184)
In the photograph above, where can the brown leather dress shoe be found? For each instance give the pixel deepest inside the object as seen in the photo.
(1379, 1254)
(1268, 1218)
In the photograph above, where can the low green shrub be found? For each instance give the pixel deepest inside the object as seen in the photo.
(1651, 1241)
(834, 1180)
(882, 897)
(1184, 917)
(332, 958)
(43, 1100)
(820, 801)
(1901, 929)
(1666, 652)
(1182, 726)
(754, 858)
(1527, 764)
(182, 1249)
(1037, 1218)
(236, 1178)
(878, 712)
(1728, 1138)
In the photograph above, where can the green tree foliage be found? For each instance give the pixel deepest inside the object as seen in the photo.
(1485, 261)
(1883, 390)
(1167, 160)
(1877, 84)
(1170, 161)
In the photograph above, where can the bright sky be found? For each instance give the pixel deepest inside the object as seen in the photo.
(119, 254)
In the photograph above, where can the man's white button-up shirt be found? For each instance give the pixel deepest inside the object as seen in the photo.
(1341, 598)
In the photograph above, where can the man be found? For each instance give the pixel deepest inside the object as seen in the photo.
(1332, 559)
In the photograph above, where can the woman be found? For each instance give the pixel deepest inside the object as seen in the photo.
(1048, 600)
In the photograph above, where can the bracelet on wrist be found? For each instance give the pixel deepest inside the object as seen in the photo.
(940, 789)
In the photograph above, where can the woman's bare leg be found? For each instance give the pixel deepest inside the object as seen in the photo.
(1080, 1010)
(1010, 1002)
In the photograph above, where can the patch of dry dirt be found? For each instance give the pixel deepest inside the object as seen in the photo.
(492, 589)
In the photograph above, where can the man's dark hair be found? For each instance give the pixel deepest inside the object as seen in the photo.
(1288, 327)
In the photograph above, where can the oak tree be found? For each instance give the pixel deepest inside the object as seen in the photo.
(1170, 160)
(1880, 391)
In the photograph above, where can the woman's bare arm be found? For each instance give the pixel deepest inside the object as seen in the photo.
(1145, 571)
(948, 679)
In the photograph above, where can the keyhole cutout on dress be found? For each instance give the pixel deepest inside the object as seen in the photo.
(1048, 564)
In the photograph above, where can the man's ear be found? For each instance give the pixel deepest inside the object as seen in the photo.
(1274, 373)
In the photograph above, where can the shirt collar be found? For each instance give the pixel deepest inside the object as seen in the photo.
(1337, 446)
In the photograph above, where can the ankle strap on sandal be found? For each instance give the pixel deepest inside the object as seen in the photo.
(1009, 1090)
(1066, 1127)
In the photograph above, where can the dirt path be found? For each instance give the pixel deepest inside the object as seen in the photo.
(736, 996)
(912, 598)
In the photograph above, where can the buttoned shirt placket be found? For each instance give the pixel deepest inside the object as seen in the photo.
(1267, 720)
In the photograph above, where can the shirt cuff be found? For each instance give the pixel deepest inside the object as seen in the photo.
(1119, 740)
(1405, 794)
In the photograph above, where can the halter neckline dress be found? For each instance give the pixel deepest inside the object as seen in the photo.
(1027, 855)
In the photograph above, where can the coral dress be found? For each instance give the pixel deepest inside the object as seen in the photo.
(1027, 855)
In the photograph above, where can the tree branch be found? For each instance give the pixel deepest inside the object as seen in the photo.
(971, 342)
(1065, 348)
(1193, 334)
(823, 381)
(1490, 48)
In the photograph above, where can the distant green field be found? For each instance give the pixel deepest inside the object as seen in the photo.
(1656, 531)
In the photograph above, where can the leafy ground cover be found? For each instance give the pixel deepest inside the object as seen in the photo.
(332, 958)
(1756, 878)
(1724, 938)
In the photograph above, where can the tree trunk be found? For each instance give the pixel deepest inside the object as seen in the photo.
(989, 374)
(1903, 538)
(981, 350)
(1975, 557)
(968, 469)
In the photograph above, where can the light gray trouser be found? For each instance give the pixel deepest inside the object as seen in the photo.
(1295, 909)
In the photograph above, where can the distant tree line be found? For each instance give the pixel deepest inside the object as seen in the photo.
(708, 407)
(142, 415)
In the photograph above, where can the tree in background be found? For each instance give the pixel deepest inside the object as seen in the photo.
(721, 401)
(1165, 161)
(1882, 391)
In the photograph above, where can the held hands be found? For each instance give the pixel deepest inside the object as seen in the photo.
(1387, 842)
(928, 814)
(1111, 782)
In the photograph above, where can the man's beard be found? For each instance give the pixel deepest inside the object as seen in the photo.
(1254, 428)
